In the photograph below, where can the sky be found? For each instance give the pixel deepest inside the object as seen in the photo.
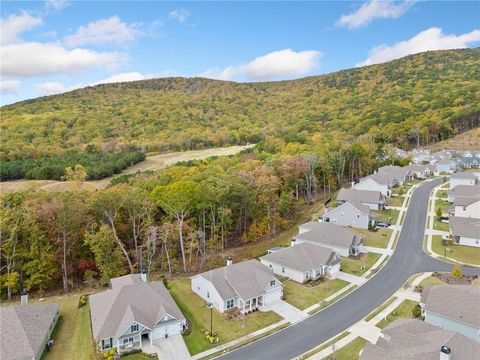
(53, 46)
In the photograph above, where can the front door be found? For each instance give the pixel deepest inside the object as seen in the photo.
(254, 303)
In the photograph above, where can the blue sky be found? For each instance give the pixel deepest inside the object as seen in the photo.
(53, 46)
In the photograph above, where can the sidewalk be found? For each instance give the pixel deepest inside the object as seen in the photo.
(353, 279)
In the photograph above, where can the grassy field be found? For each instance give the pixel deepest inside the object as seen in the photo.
(396, 201)
(350, 351)
(377, 238)
(359, 266)
(460, 253)
(431, 281)
(136, 357)
(404, 310)
(465, 141)
(195, 310)
(301, 296)
(73, 339)
(387, 214)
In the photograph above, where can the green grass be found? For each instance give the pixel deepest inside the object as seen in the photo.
(438, 225)
(377, 238)
(74, 337)
(350, 351)
(359, 266)
(302, 296)
(404, 310)
(380, 309)
(396, 201)
(467, 254)
(324, 346)
(195, 310)
(383, 215)
(137, 357)
(327, 303)
(476, 282)
(431, 281)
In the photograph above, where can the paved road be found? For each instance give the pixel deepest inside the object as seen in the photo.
(408, 259)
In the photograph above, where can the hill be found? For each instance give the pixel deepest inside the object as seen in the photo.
(432, 95)
(465, 141)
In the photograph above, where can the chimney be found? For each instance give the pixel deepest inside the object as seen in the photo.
(445, 353)
(24, 297)
(293, 242)
(144, 275)
(229, 261)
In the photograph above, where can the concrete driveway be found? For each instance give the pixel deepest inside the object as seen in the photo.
(285, 310)
(172, 348)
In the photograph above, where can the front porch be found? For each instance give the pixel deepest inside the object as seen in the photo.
(251, 304)
(139, 341)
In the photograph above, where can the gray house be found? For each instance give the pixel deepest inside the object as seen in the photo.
(303, 262)
(398, 173)
(247, 285)
(465, 230)
(341, 240)
(352, 214)
(463, 191)
(134, 313)
(373, 199)
(411, 339)
(454, 308)
(25, 330)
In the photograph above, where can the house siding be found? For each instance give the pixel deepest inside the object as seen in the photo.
(370, 184)
(169, 328)
(472, 210)
(467, 330)
(467, 241)
(347, 215)
(202, 286)
(455, 182)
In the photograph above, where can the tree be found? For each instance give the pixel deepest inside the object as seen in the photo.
(77, 174)
(438, 212)
(457, 272)
(312, 161)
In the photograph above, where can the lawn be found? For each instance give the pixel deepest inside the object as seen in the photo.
(195, 310)
(396, 201)
(438, 225)
(380, 309)
(350, 351)
(73, 339)
(476, 282)
(324, 346)
(359, 266)
(431, 280)
(302, 296)
(404, 310)
(139, 356)
(377, 238)
(460, 253)
(387, 214)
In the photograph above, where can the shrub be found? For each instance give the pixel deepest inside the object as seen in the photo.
(83, 301)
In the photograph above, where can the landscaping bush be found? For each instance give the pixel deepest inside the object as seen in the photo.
(132, 352)
(83, 301)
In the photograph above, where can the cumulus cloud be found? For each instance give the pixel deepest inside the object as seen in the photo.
(275, 65)
(111, 30)
(15, 24)
(51, 88)
(9, 86)
(372, 10)
(430, 39)
(56, 4)
(123, 77)
(180, 15)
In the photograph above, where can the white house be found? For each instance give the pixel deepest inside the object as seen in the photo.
(303, 262)
(247, 285)
(341, 240)
(419, 171)
(379, 181)
(463, 178)
(465, 231)
(397, 174)
(463, 191)
(467, 206)
(421, 156)
(453, 307)
(469, 162)
(373, 199)
(350, 213)
(133, 313)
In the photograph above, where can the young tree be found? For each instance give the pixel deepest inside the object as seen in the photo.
(457, 272)
(438, 212)
(312, 161)
(77, 174)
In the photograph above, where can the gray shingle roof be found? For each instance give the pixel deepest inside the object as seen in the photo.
(396, 172)
(356, 204)
(24, 328)
(456, 302)
(382, 177)
(466, 200)
(464, 175)
(364, 196)
(329, 234)
(465, 190)
(415, 340)
(463, 226)
(304, 257)
(129, 300)
(247, 279)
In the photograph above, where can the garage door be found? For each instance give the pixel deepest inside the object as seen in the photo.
(272, 296)
(170, 329)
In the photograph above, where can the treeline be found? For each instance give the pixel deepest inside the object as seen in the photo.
(179, 219)
(97, 165)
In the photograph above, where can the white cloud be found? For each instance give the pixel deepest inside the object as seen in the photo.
(181, 15)
(374, 9)
(9, 86)
(56, 4)
(51, 88)
(111, 30)
(275, 65)
(15, 24)
(123, 77)
(430, 39)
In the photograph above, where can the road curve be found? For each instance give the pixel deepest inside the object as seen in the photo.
(408, 259)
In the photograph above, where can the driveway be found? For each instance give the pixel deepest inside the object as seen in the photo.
(408, 259)
(285, 310)
(172, 348)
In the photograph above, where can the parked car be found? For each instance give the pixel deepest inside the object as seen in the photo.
(385, 223)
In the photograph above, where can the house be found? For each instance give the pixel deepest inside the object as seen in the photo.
(421, 156)
(134, 313)
(465, 231)
(400, 153)
(411, 339)
(419, 171)
(25, 329)
(467, 206)
(470, 162)
(446, 166)
(462, 178)
(454, 308)
(247, 285)
(351, 213)
(379, 181)
(375, 200)
(463, 191)
(398, 173)
(303, 262)
(341, 240)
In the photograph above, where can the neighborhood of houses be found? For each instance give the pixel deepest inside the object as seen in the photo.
(136, 313)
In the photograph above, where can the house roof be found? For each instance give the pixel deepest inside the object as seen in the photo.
(382, 177)
(469, 160)
(419, 167)
(415, 340)
(465, 190)
(329, 234)
(466, 200)
(363, 196)
(456, 302)
(304, 257)
(246, 279)
(130, 300)
(24, 329)
(445, 162)
(397, 172)
(463, 175)
(465, 226)
(355, 204)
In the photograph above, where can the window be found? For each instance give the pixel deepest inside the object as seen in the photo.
(106, 343)
(283, 270)
(126, 341)
(464, 208)
(208, 294)
(134, 328)
(272, 283)
(358, 216)
(229, 304)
